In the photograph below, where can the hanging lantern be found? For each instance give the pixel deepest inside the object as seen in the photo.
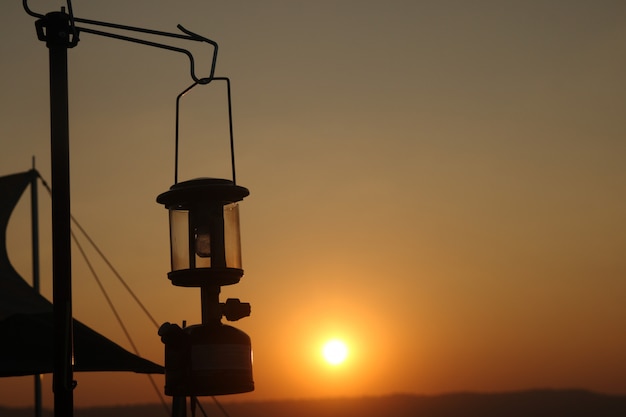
(204, 232)
(205, 246)
(209, 358)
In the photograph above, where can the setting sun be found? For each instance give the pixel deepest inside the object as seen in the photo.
(335, 352)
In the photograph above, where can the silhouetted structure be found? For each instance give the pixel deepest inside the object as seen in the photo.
(26, 321)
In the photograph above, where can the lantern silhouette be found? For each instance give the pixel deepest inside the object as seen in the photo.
(205, 248)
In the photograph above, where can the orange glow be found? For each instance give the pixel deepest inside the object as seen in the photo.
(442, 192)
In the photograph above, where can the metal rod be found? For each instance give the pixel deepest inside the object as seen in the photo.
(230, 126)
(29, 11)
(230, 129)
(210, 305)
(34, 226)
(200, 80)
(179, 406)
(187, 35)
(34, 212)
(178, 97)
(57, 25)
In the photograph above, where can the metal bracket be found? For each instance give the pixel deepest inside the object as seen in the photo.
(187, 35)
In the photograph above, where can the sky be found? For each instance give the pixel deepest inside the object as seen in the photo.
(441, 184)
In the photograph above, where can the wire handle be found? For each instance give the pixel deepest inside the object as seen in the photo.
(230, 126)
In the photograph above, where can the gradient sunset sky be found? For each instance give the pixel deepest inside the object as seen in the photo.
(442, 184)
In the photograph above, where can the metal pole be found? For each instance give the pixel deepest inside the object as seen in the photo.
(34, 211)
(57, 35)
(179, 406)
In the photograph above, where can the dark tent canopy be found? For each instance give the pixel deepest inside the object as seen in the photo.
(26, 316)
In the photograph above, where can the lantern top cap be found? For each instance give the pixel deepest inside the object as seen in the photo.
(200, 191)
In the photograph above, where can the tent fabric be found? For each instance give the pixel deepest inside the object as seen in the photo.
(26, 349)
(26, 319)
(16, 296)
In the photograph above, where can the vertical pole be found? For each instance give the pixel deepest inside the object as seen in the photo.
(179, 406)
(57, 25)
(34, 226)
(34, 212)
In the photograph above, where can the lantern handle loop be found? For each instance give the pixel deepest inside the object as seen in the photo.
(230, 126)
(186, 35)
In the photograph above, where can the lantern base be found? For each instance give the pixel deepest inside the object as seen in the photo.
(204, 360)
(200, 277)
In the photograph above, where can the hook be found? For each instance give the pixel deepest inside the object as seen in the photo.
(196, 37)
(187, 35)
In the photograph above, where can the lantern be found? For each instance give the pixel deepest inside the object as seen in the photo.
(204, 232)
(209, 358)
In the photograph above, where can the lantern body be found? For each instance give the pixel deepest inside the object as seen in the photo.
(195, 233)
(204, 232)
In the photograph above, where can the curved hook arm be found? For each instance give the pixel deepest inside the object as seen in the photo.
(187, 35)
(196, 37)
(194, 77)
(29, 11)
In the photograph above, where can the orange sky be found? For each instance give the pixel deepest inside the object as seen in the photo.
(442, 184)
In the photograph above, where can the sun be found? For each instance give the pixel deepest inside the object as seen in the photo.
(335, 352)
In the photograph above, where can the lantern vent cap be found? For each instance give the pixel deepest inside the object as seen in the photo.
(202, 190)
